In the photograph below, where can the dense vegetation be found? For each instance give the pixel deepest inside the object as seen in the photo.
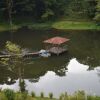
(11, 95)
(43, 10)
(18, 13)
(97, 15)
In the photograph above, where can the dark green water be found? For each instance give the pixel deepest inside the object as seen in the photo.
(52, 74)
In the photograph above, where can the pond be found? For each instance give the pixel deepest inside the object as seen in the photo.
(78, 69)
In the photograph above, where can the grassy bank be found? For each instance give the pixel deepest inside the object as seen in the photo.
(72, 25)
(11, 95)
(6, 27)
(76, 25)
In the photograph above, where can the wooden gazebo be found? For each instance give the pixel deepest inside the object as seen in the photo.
(56, 45)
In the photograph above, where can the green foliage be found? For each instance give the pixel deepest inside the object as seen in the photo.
(50, 95)
(46, 16)
(76, 25)
(81, 9)
(79, 95)
(24, 95)
(42, 95)
(15, 60)
(21, 96)
(2, 96)
(9, 94)
(22, 85)
(13, 48)
(47, 9)
(61, 97)
(97, 15)
(33, 94)
(4, 61)
(18, 97)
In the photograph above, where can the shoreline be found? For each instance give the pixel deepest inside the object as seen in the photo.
(61, 25)
(9, 94)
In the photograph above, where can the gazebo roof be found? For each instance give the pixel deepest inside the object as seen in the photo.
(56, 40)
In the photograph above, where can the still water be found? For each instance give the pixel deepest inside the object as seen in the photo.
(78, 69)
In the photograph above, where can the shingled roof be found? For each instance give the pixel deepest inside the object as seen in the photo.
(56, 40)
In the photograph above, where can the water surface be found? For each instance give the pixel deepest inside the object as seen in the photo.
(78, 69)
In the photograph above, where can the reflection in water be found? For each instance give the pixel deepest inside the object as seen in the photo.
(75, 67)
(77, 78)
(56, 74)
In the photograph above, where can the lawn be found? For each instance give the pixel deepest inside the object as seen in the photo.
(76, 25)
(66, 25)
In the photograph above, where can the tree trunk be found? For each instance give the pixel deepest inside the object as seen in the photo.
(9, 10)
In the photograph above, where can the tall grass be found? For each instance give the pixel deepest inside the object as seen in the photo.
(33, 94)
(11, 95)
(50, 95)
(42, 94)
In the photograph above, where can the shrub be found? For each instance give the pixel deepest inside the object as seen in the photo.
(80, 95)
(18, 96)
(33, 94)
(9, 94)
(66, 96)
(22, 85)
(0, 89)
(42, 95)
(2, 96)
(61, 97)
(24, 96)
(50, 95)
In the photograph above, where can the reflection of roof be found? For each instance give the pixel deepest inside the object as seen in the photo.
(56, 40)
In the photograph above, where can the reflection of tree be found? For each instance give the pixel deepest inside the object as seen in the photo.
(34, 80)
(14, 62)
(22, 85)
(34, 71)
(85, 47)
(41, 66)
(61, 72)
(5, 76)
(98, 71)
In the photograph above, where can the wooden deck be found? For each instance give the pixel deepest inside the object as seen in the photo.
(23, 55)
(53, 50)
(57, 50)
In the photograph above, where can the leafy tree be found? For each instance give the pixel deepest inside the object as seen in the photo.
(48, 9)
(9, 5)
(81, 8)
(54, 8)
(97, 15)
